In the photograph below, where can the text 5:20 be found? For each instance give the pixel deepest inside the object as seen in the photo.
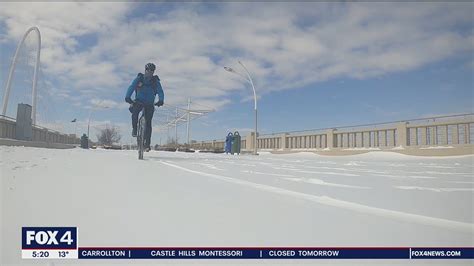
(40, 254)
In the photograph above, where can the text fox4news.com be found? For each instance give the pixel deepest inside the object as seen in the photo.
(63, 243)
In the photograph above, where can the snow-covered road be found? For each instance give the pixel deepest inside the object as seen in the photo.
(197, 199)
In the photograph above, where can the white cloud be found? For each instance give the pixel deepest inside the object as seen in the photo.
(284, 45)
(108, 104)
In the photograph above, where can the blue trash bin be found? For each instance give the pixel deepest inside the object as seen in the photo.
(228, 143)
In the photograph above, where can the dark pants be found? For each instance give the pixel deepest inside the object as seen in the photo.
(149, 110)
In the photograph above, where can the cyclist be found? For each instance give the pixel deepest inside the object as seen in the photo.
(146, 86)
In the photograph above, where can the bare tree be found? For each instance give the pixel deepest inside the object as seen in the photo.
(171, 142)
(109, 135)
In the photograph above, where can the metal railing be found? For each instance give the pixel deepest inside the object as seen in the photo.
(419, 132)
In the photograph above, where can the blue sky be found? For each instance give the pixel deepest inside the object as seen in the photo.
(314, 65)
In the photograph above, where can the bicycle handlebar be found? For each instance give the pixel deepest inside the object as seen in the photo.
(141, 103)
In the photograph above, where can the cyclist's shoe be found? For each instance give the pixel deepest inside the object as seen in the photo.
(134, 132)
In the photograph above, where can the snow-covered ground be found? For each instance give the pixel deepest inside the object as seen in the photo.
(183, 199)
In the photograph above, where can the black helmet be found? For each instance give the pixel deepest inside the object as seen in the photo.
(150, 66)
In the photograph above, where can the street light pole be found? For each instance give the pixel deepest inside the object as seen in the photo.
(255, 106)
(75, 129)
(249, 79)
(89, 122)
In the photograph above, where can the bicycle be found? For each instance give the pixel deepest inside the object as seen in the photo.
(141, 132)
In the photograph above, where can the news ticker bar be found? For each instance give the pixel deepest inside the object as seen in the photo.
(264, 253)
(62, 243)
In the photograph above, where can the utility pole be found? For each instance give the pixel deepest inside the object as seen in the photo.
(176, 127)
(167, 129)
(188, 120)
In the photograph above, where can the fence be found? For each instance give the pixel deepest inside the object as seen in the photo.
(214, 145)
(451, 130)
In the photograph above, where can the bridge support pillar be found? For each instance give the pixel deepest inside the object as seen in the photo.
(24, 123)
(402, 134)
(330, 138)
(283, 145)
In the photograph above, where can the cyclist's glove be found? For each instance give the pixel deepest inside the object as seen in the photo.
(159, 103)
(129, 100)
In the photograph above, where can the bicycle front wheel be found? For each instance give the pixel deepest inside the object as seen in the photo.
(141, 137)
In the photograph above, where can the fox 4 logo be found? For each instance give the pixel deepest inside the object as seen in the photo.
(49, 237)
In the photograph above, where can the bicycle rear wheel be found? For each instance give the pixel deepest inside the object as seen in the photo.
(141, 137)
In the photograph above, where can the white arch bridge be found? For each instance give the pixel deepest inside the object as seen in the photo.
(6, 93)
(12, 132)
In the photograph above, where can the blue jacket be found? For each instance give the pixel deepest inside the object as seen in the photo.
(145, 92)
